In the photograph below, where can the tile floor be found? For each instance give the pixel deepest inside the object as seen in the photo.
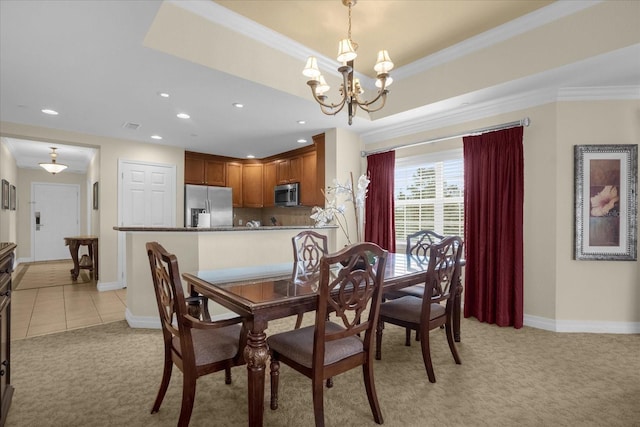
(59, 308)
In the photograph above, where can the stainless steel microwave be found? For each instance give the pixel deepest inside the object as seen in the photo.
(287, 195)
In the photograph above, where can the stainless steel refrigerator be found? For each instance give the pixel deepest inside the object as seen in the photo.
(200, 198)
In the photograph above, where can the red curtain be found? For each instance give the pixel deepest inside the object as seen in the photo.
(493, 204)
(379, 226)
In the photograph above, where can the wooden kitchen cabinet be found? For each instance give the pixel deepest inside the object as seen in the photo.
(289, 170)
(269, 181)
(201, 169)
(234, 180)
(252, 186)
(310, 194)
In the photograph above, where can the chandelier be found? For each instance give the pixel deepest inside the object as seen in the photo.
(53, 167)
(350, 89)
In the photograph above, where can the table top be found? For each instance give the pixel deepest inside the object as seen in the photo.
(253, 289)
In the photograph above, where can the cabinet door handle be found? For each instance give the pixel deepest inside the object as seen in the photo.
(6, 293)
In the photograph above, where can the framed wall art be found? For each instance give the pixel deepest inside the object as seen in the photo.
(606, 203)
(12, 197)
(95, 195)
(5, 194)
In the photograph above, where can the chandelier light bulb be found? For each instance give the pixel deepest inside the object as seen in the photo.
(322, 86)
(384, 63)
(346, 52)
(311, 69)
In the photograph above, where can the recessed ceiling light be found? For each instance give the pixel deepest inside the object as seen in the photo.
(301, 122)
(163, 94)
(50, 112)
(156, 137)
(251, 156)
(183, 116)
(302, 140)
(238, 105)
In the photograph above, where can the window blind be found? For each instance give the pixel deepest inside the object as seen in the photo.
(429, 192)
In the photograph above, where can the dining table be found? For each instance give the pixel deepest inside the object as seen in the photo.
(267, 292)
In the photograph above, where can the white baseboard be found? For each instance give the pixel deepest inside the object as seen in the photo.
(109, 286)
(588, 326)
(145, 322)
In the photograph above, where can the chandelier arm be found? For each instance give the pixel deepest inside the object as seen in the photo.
(366, 106)
(333, 113)
(331, 106)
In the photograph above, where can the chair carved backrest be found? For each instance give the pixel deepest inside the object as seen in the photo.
(170, 297)
(443, 273)
(349, 292)
(418, 246)
(308, 247)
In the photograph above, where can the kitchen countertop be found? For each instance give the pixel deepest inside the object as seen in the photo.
(235, 228)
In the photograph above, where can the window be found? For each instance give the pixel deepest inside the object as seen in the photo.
(429, 192)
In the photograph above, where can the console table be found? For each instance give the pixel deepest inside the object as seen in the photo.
(7, 255)
(74, 244)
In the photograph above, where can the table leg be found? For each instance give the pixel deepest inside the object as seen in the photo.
(256, 354)
(73, 248)
(94, 245)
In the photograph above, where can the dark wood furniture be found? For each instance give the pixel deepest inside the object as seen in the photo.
(308, 248)
(195, 346)
(327, 348)
(267, 292)
(74, 244)
(7, 255)
(427, 313)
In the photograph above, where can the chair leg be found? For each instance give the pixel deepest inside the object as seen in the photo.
(379, 329)
(299, 321)
(452, 343)
(188, 397)
(164, 384)
(275, 376)
(329, 382)
(318, 401)
(227, 375)
(426, 356)
(407, 337)
(370, 386)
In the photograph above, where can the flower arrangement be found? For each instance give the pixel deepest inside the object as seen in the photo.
(334, 210)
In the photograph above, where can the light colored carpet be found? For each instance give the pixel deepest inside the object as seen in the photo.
(108, 375)
(46, 274)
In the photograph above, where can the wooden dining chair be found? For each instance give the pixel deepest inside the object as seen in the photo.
(427, 313)
(326, 349)
(308, 247)
(195, 346)
(417, 252)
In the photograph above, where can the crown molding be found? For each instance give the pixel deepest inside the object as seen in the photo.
(606, 93)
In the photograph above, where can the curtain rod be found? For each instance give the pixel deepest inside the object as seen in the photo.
(523, 122)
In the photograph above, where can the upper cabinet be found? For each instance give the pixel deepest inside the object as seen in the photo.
(253, 181)
(234, 180)
(201, 169)
(290, 170)
(269, 181)
(252, 185)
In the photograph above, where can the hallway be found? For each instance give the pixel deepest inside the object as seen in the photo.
(57, 308)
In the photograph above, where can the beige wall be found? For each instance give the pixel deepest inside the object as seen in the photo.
(559, 292)
(9, 172)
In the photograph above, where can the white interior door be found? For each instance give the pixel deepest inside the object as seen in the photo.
(55, 215)
(147, 197)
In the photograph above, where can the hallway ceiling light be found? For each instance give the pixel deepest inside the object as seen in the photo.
(53, 167)
(350, 88)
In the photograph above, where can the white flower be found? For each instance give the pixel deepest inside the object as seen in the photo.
(336, 212)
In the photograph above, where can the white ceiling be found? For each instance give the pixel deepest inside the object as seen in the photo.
(88, 60)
